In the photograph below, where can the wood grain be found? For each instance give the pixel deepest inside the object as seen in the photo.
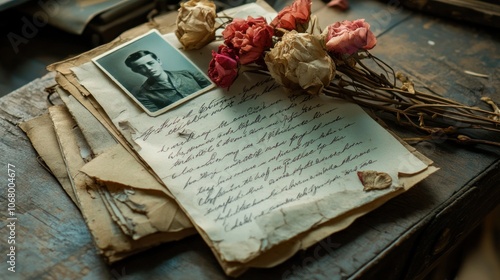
(402, 239)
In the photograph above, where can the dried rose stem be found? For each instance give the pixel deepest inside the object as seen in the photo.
(362, 85)
(406, 107)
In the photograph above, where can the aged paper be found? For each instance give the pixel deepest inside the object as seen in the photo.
(127, 179)
(56, 147)
(135, 199)
(284, 173)
(96, 135)
(110, 240)
(257, 166)
(41, 133)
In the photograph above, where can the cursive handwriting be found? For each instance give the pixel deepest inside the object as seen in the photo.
(242, 156)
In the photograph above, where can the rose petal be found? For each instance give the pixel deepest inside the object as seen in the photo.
(374, 180)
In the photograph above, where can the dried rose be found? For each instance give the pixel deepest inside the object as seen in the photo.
(250, 38)
(339, 4)
(196, 24)
(223, 68)
(299, 61)
(348, 37)
(294, 17)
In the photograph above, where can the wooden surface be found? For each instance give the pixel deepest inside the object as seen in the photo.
(404, 238)
(484, 12)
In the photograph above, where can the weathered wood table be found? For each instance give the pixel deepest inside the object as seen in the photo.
(405, 238)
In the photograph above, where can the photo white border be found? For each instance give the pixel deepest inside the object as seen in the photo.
(152, 32)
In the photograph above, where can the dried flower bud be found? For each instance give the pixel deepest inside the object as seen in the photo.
(299, 61)
(407, 83)
(463, 138)
(496, 110)
(196, 24)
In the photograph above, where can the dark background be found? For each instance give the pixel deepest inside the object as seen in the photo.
(28, 62)
(24, 58)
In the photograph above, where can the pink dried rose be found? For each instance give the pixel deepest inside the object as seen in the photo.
(339, 4)
(294, 17)
(223, 68)
(348, 37)
(196, 24)
(299, 61)
(250, 38)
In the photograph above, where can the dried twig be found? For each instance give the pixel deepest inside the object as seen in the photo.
(394, 93)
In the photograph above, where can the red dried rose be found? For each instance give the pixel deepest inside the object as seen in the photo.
(348, 37)
(294, 17)
(223, 68)
(249, 38)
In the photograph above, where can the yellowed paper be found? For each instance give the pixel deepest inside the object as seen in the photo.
(138, 212)
(162, 212)
(256, 166)
(96, 135)
(164, 216)
(110, 240)
(117, 167)
(41, 134)
(282, 242)
(258, 174)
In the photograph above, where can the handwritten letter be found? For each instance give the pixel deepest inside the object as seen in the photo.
(255, 166)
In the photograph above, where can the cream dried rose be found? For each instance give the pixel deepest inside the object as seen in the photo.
(299, 61)
(196, 24)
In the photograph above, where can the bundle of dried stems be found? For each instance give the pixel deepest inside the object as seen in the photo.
(377, 86)
(369, 82)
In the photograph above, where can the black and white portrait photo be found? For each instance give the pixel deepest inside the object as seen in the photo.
(153, 73)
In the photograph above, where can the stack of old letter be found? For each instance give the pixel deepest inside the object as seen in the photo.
(258, 172)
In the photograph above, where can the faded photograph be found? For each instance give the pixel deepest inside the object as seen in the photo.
(154, 73)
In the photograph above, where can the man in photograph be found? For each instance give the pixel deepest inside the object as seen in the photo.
(162, 87)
